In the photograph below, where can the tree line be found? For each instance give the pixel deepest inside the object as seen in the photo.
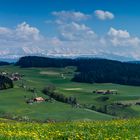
(35, 61)
(90, 70)
(108, 71)
(50, 91)
(5, 82)
(2, 63)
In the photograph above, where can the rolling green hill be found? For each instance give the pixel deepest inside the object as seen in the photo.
(13, 105)
(13, 101)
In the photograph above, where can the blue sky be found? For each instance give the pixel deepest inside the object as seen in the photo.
(37, 11)
(106, 28)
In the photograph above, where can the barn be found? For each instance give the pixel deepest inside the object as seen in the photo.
(39, 99)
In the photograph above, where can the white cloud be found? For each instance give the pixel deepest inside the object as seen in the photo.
(18, 41)
(72, 39)
(25, 31)
(4, 30)
(71, 15)
(122, 38)
(104, 15)
(62, 17)
(74, 31)
(118, 33)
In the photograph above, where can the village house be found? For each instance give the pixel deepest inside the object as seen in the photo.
(104, 92)
(15, 76)
(39, 99)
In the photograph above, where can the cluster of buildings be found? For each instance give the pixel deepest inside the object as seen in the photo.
(104, 92)
(13, 76)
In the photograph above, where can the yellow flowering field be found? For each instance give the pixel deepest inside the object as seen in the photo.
(96, 130)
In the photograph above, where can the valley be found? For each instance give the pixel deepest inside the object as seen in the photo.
(93, 106)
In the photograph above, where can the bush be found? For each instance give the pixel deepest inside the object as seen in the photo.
(50, 91)
(5, 82)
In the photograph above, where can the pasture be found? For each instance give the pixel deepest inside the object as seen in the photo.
(12, 101)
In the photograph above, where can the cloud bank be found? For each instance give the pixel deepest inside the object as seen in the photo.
(74, 38)
(70, 15)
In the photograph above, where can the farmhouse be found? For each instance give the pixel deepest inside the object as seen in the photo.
(39, 99)
(15, 76)
(104, 92)
(100, 91)
(113, 91)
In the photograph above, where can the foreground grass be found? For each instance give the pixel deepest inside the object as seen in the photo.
(96, 130)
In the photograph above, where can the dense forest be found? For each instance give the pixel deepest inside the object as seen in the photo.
(90, 70)
(5, 82)
(108, 71)
(34, 61)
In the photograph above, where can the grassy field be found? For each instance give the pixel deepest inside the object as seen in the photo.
(87, 130)
(12, 101)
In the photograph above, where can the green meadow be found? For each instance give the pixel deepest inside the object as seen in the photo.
(13, 104)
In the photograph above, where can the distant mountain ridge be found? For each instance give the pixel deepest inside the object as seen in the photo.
(3, 63)
(134, 62)
(13, 57)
